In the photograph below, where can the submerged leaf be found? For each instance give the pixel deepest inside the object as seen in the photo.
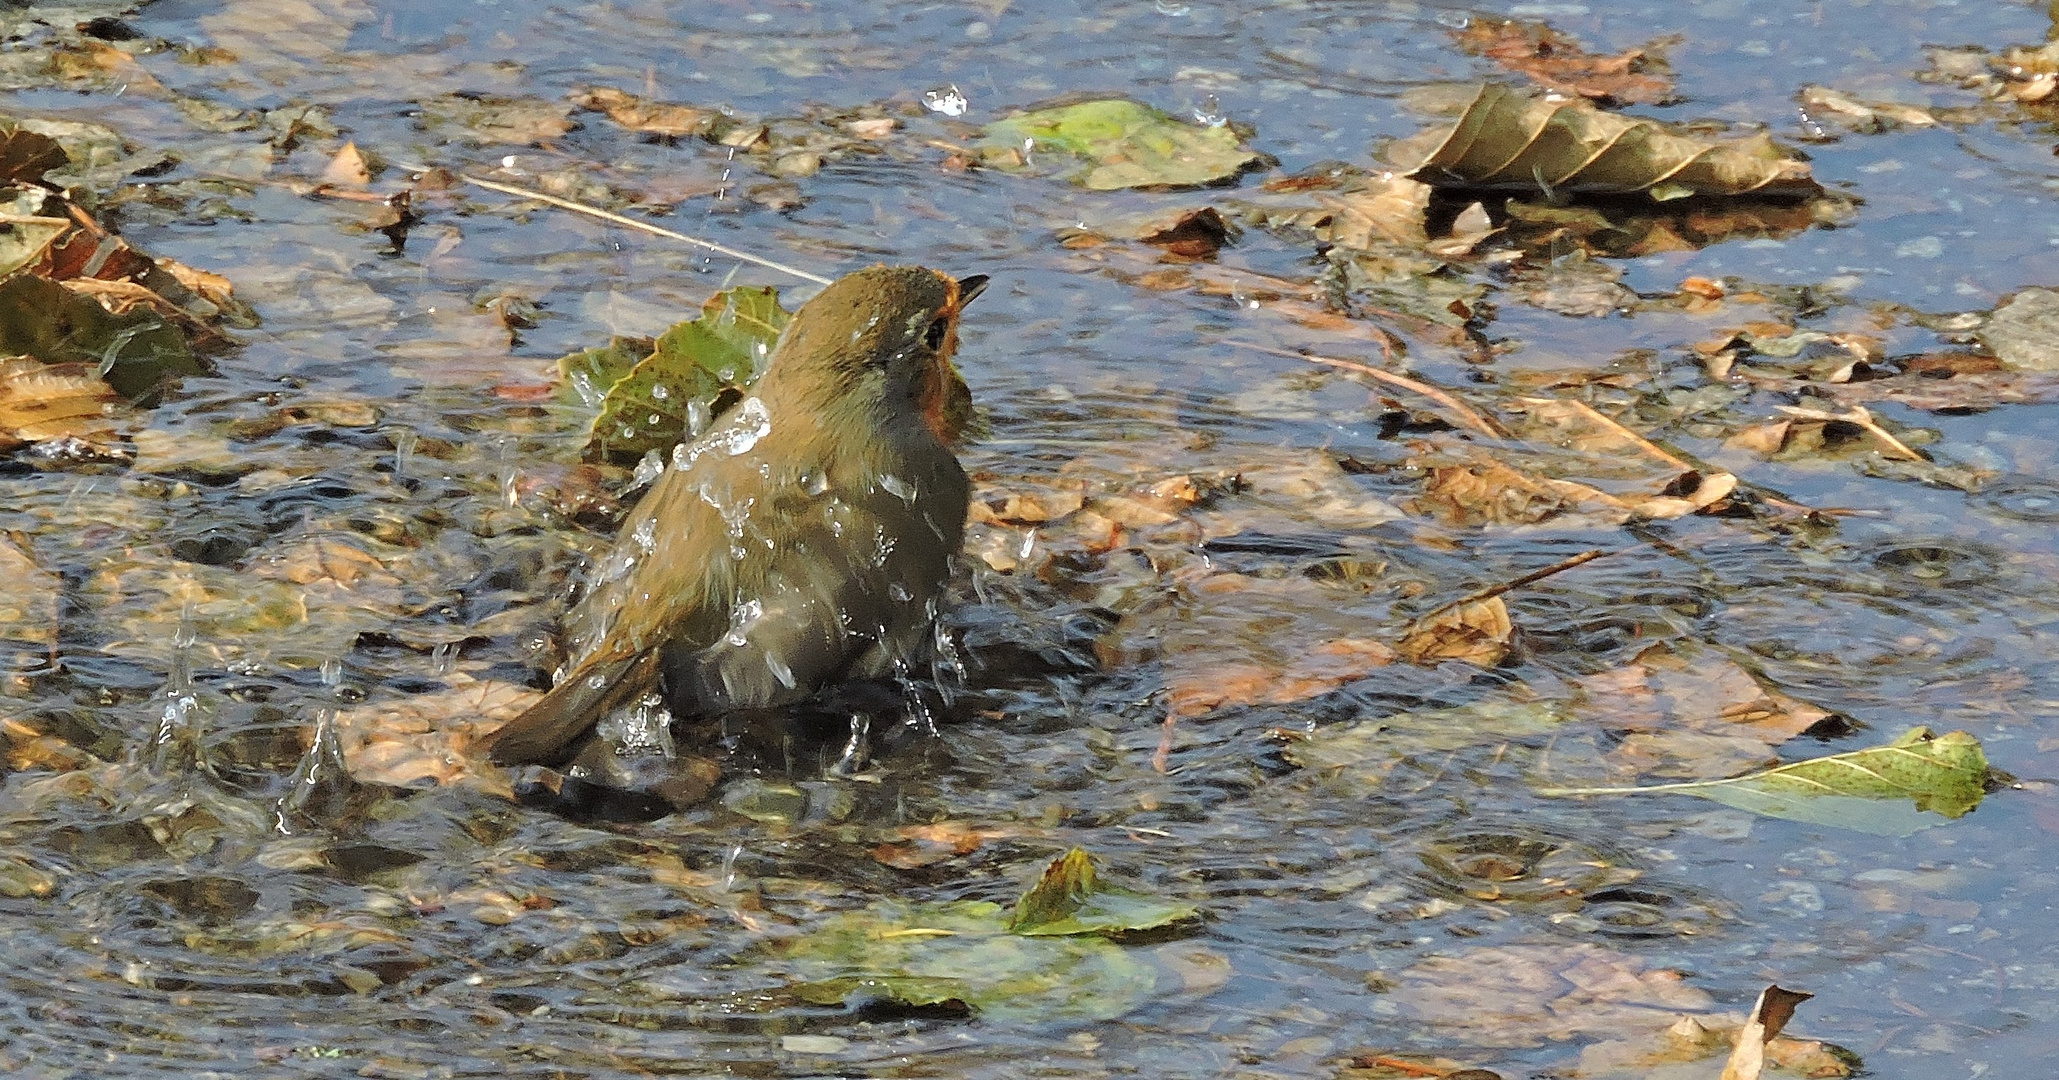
(1068, 900)
(1510, 140)
(1117, 143)
(961, 954)
(1943, 774)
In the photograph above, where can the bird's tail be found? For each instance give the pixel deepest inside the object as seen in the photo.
(549, 731)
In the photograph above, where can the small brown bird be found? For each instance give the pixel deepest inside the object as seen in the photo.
(803, 541)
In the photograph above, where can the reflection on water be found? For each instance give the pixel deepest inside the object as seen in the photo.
(267, 563)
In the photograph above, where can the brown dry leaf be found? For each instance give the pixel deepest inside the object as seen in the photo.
(1023, 506)
(1691, 713)
(647, 116)
(1526, 995)
(1971, 392)
(348, 169)
(1557, 62)
(41, 401)
(1863, 116)
(330, 560)
(29, 603)
(1689, 687)
(426, 737)
(1191, 234)
(1468, 230)
(1770, 1013)
(1377, 209)
(1510, 140)
(91, 60)
(1242, 640)
(1477, 633)
(1693, 1039)
(1492, 493)
(924, 845)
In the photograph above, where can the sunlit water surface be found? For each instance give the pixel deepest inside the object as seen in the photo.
(451, 934)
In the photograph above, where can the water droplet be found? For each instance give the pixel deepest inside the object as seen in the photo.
(745, 616)
(780, 671)
(646, 534)
(589, 394)
(1457, 20)
(660, 392)
(815, 483)
(648, 468)
(697, 417)
(898, 488)
(948, 100)
(1210, 112)
(899, 593)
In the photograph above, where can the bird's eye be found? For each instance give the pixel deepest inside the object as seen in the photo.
(936, 333)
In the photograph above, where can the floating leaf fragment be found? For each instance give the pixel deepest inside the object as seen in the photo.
(1116, 143)
(1940, 774)
(1509, 140)
(666, 121)
(2024, 331)
(1557, 62)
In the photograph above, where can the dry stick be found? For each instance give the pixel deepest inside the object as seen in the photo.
(1493, 591)
(1466, 415)
(1859, 417)
(632, 223)
(1597, 416)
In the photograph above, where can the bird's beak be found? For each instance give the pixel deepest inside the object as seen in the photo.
(969, 287)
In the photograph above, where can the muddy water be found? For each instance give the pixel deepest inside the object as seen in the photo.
(160, 922)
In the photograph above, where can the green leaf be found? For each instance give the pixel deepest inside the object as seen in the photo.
(136, 352)
(961, 953)
(1117, 143)
(1067, 900)
(1940, 774)
(694, 371)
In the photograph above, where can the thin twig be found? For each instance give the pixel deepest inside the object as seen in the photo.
(1465, 414)
(1493, 591)
(1860, 418)
(632, 223)
(1597, 416)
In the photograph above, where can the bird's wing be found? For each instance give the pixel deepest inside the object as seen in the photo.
(850, 589)
(669, 577)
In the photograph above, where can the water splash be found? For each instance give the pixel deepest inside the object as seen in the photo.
(175, 747)
(644, 728)
(320, 784)
(948, 100)
(780, 670)
(857, 748)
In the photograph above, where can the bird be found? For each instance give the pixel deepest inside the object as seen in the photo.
(803, 541)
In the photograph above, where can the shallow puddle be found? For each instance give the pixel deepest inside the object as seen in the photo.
(376, 505)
